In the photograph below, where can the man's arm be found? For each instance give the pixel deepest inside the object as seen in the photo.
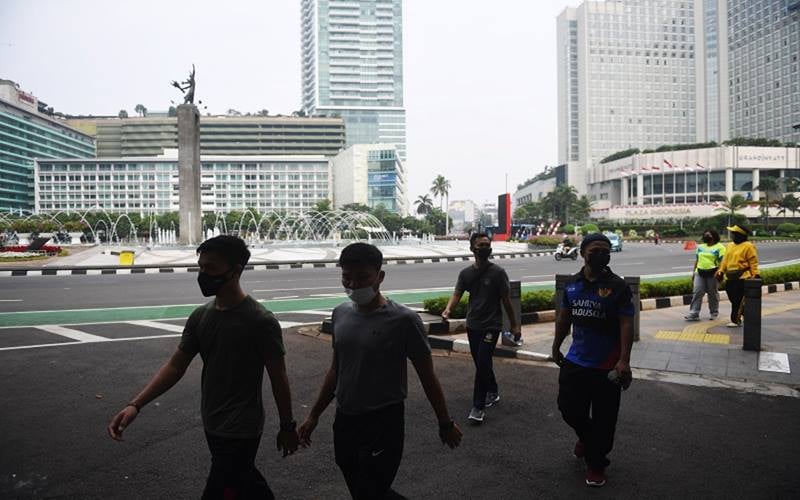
(455, 299)
(167, 376)
(623, 366)
(449, 432)
(326, 395)
(516, 329)
(563, 322)
(287, 436)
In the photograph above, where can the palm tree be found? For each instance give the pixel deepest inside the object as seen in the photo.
(767, 185)
(140, 110)
(582, 208)
(790, 203)
(560, 200)
(441, 188)
(733, 205)
(424, 204)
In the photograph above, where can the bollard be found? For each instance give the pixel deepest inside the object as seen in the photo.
(633, 282)
(515, 293)
(752, 315)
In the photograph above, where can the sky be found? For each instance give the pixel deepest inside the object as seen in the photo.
(480, 77)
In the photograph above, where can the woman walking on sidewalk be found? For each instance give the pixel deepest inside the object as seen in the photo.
(708, 257)
(740, 263)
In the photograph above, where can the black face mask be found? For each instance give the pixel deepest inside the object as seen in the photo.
(707, 240)
(482, 253)
(738, 237)
(598, 261)
(210, 285)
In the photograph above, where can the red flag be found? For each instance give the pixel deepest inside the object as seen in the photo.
(656, 167)
(668, 164)
(698, 164)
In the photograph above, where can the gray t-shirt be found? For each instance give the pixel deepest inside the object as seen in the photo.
(234, 344)
(486, 287)
(371, 350)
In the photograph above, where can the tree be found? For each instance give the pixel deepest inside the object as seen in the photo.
(441, 188)
(732, 205)
(768, 185)
(581, 208)
(263, 112)
(299, 113)
(322, 205)
(560, 200)
(172, 111)
(790, 203)
(790, 184)
(424, 204)
(122, 113)
(140, 110)
(437, 220)
(233, 112)
(356, 207)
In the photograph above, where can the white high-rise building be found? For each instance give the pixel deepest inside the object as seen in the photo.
(353, 67)
(626, 78)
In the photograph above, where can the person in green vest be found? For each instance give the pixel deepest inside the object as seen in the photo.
(708, 257)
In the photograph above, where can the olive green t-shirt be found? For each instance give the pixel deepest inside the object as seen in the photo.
(233, 344)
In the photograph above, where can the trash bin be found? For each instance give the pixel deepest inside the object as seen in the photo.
(126, 258)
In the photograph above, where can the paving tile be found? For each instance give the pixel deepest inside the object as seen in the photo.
(712, 370)
(650, 363)
(674, 366)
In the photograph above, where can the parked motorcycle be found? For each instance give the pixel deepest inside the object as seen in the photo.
(563, 252)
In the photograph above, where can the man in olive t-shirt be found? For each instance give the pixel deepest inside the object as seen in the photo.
(236, 338)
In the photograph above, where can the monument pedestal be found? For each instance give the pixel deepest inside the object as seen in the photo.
(191, 213)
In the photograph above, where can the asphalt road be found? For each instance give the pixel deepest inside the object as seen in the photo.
(673, 441)
(107, 291)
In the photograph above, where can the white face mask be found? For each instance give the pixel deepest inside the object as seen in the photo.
(361, 296)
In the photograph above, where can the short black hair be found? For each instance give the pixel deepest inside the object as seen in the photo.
(714, 234)
(232, 248)
(475, 236)
(356, 254)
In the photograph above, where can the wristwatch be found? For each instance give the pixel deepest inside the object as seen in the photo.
(288, 426)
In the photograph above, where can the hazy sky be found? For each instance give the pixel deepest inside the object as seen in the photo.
(480, 82)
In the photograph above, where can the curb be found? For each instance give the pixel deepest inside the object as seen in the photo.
(260, 266)
(685, 300)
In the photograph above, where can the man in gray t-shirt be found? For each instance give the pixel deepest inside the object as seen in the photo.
(372, 340)
(488, 287)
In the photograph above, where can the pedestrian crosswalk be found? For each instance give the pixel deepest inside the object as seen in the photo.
(41, 336)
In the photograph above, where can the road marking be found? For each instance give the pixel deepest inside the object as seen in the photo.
(10, 300)
(313, 311)
(289, 324)
(294, 289)
(683, 267)
(773, 362)
(537, 276)
(155, 324)
(619, 264)
(59, 344)
(707, 338)
(72, 334)
(286, 297)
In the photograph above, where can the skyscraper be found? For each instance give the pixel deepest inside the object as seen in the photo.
(352, 67)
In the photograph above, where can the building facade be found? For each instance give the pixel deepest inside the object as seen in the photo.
(219, 135)
(370, 174)
(26, 134)
(150, 185)
(689, 183)
(352, 67)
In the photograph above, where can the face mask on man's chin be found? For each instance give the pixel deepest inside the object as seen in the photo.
(361, 296)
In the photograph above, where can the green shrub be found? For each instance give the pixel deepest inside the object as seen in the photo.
(787, 228)
(589, 229)
(569, 229)
(632, 233)
(436, 305)
(540, 300)
(546, 241)
(781, 274)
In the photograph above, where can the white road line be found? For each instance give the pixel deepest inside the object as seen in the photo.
(683, 267)
(309, 311)
(284, 297)
(294, 289)
(72, 334)
(537, 276)
(58, 344)
(10, 300)
(155, 324)
(289, 324)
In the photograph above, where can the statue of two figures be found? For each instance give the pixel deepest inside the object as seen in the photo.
(187, 88)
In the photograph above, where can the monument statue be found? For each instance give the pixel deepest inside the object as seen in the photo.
(188, 90)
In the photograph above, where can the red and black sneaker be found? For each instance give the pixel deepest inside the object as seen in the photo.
(595, 477)
(580, 449)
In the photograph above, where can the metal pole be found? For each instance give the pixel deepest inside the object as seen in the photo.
(752, 315)
(561, 284)
(633, 282)
(515, 294)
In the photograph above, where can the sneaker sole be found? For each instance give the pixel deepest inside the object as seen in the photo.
(475, 420)
(493, 402)
(692, 319)
(595, 484)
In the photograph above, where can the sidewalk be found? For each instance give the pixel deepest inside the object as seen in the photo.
(707, 348)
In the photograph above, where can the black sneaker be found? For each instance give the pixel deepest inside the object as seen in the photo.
(476, 415)
(492, 398)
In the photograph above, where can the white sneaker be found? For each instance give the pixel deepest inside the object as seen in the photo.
(733, 325)
(476, 415)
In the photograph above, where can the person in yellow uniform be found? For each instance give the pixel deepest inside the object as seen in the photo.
(740, 263)
(708, 257)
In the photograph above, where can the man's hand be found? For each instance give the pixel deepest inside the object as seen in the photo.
(557, 357)
(120, 421)
(287, 441)
(450, 435)
(446, 314)
(623, 369)
(305, 430)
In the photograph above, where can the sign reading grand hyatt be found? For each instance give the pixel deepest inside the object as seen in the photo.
(191, 215)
